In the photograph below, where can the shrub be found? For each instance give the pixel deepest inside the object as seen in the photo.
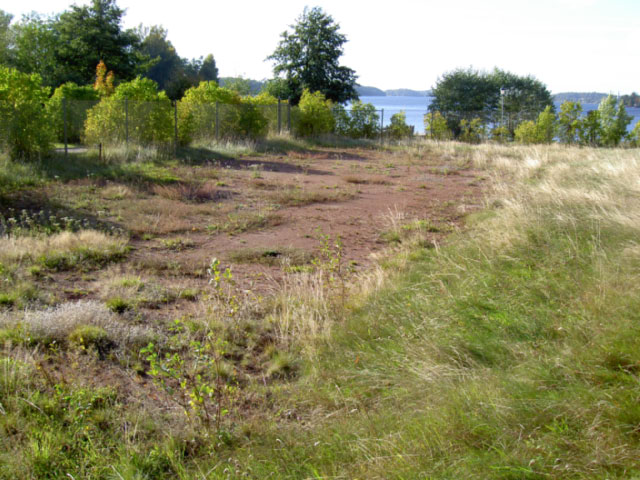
(25, 126)
(634, 136)
(78, 100)
(546, 126)
(540, 131)
(435, 126)
(364, 120)
(252, 120)
(398, 129)
(525, 133)
(197, 112)
(341, 119)
(472, 131)
(314, 115)
(136, 106)
(501, 134)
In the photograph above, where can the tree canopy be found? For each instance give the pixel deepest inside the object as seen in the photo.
(92, 33)
(492, 97)
(308, 58)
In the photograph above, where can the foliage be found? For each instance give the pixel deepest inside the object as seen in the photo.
(91, 33)
(590, 131)
(172, 73)
(569, 121)
(614, 121)
(308, 57)
(365, 121)
(251, 120)
(314, 115)
(361, 121)
(501, 133)
(540, 131)
(5, 37)
(526, 133)
(546, 125)
(241, 86)
(78, 100)
(197, 111)
(25, 126)
(135, 110)
(472, 131)
(634, 135)
(435, 125)
(278, 87)
(398, 128)
(467, 94)
(34, 43)
(104, 80)
(518, 98)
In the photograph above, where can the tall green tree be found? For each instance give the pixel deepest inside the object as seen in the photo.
(569, 122)
(171, 72)
(5, 36)
(308, 57)
(208, 70)
(35, 46)
(165, 63)
(614, 121)
(92, 33)
(465, 94)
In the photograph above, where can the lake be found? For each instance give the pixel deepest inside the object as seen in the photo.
(416, 107)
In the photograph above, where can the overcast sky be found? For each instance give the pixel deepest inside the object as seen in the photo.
(570, 45)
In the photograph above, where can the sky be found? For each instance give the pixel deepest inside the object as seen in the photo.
(570, 45)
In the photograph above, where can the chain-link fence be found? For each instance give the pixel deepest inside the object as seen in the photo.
(169, 125)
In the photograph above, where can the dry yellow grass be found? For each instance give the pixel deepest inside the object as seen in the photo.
(18, 249)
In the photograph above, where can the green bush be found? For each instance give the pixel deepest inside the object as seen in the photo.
(197, 112)
(525, 133)
(398, 129)
(314, 116)
(78, 100)
(25, 126)
(135, 108)
(634, 136)
(472, 131)
(254, 115)
(540, 131)
(365, 121)
(435, 126)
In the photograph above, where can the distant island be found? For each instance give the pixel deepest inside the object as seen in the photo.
(582, 97)
(364, 91)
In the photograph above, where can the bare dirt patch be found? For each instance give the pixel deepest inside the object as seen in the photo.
(273, 204)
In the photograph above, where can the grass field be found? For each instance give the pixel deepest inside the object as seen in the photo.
(494, 333)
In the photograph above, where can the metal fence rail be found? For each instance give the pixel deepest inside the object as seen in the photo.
(169, 125)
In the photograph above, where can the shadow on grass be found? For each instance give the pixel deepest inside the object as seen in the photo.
(35, 211)
(87, 165)
(201, 156)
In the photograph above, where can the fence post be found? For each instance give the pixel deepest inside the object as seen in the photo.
(126, 121)
(217, 123)
(382, 127)
(175, 128)
(279, 118)
(289, 116)
(64, 122)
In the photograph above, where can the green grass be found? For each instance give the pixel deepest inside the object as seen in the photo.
(510, 352)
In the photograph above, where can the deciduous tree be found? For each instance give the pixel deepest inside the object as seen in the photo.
(308, 57)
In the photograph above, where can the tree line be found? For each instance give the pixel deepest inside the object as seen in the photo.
(67, 47)
(475, 106)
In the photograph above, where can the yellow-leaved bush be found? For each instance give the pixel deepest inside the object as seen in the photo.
(136, 112)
